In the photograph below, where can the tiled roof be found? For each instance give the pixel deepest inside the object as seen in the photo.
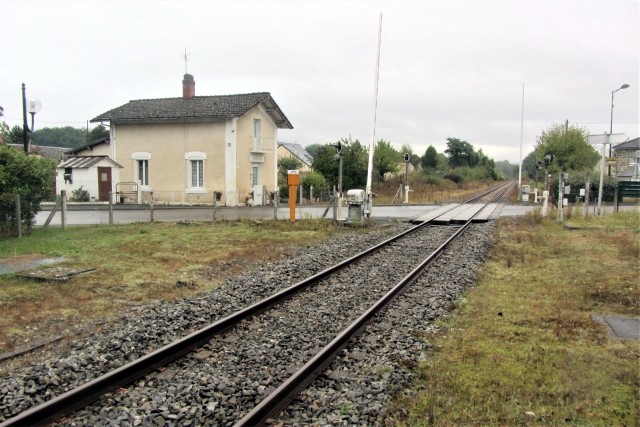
(633, 144)
(92, 144)
(298, 151)
(55, 153)
(221, 106)
(83, 162)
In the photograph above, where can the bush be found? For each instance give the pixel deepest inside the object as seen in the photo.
(30, 177)
(316, 180)
(454, 176)
(80, 195)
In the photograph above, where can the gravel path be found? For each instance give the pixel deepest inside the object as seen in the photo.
(220, 383)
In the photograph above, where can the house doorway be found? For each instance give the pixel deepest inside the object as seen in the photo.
(104, 183)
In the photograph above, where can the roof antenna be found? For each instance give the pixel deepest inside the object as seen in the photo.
(186, 58)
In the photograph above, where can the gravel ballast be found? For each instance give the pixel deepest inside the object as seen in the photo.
(220, 383)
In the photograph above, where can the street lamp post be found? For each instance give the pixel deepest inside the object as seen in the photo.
(613, 92)
(31, 106)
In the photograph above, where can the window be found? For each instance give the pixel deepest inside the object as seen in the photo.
(257, 132)
(141, 165)
(255, 175)
(143, 172)
(197, 173)
(68, 175)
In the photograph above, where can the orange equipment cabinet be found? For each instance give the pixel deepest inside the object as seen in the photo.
(293, 178)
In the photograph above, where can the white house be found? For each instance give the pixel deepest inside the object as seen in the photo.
(96, 174)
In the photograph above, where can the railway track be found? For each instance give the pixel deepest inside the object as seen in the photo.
(255, 365)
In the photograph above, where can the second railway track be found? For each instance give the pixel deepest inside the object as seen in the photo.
(233, 372)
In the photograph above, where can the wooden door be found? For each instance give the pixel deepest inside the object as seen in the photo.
(104, 183)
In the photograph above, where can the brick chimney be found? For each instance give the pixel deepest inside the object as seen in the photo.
(188, 86)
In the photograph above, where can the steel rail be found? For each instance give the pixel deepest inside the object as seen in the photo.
(280, 398)
(94, 389)
(91, 391)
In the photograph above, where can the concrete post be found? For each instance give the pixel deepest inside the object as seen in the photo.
(215, 204)
(18, 216)
(63, 210)
(151, 204)
(276, 196)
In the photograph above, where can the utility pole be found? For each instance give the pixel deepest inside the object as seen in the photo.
(25, 124)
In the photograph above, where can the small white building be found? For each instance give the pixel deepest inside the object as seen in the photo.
(96, 174)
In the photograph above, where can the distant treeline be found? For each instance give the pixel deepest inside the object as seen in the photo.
(65, 137)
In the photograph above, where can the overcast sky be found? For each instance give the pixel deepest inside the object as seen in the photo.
(447, 68)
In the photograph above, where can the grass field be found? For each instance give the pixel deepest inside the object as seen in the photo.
(134, 264)
(523, 349)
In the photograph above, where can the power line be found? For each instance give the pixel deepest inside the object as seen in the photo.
(606, 123)
(43, 121)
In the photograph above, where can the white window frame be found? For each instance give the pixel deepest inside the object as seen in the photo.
(137, 157)
(257, 133)
(190, 158)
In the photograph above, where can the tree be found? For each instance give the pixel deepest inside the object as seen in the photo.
(315, 180)
(529, 164)
(569, 148)
(30, 177)
(312, 149)
(430, 159)
(4, 133)
(285, 164)
(97, 133)
(414, 159)
(385, 159)
(66, 137)
(354, 164)
(507, 169)
(15, 136)
(289, 163)
(460, 153)
(488, 164)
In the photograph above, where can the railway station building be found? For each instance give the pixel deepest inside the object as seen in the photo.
(192, 149)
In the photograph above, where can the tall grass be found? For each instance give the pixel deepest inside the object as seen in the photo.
(524, 348)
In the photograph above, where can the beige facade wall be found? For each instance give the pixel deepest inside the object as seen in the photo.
(256, 151)
(168, 147)
(97, 150)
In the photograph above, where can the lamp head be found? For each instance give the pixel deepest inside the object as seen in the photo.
(624, 86)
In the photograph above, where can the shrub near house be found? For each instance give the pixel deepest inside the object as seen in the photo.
(31, 178)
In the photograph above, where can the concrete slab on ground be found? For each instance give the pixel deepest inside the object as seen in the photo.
(624, 328)
(25, 262)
